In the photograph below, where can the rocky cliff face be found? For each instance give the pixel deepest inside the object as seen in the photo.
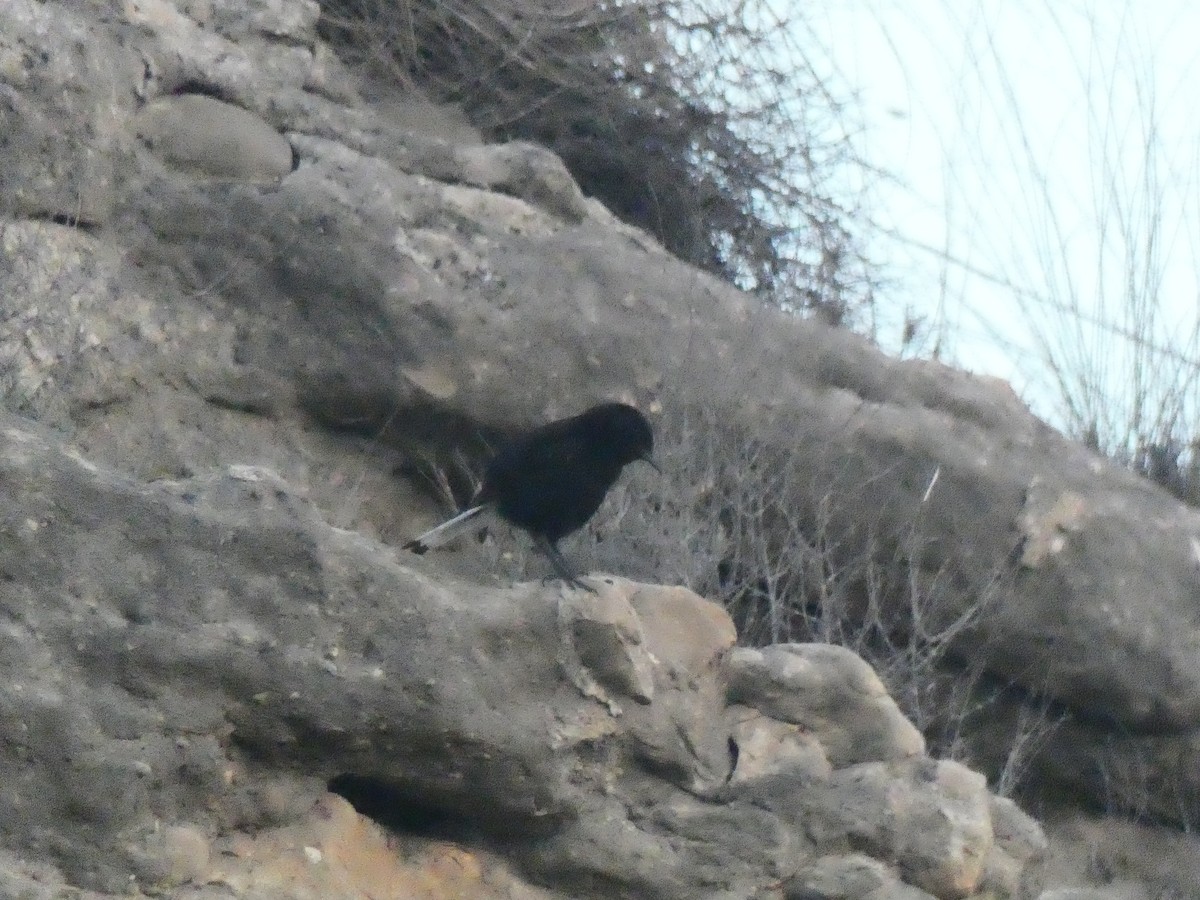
(190, 663)
(250, 297)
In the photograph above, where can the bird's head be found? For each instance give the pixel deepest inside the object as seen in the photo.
(627, 432)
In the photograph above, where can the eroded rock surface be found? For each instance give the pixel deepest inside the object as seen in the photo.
(187, 660)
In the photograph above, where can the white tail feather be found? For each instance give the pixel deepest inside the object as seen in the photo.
(448, 530)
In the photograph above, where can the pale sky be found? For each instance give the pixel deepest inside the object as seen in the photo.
(1017, 131)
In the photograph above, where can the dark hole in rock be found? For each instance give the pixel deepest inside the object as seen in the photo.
(396, 809)
(72, 220)
(195, 86)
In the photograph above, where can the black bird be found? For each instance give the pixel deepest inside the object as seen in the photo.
(552, 480)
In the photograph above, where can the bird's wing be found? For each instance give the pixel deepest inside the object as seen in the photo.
(546, 452)
(448, 530)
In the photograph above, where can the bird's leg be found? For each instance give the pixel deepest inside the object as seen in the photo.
(560, 565)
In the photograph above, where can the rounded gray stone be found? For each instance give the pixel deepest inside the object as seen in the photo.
(207, 137)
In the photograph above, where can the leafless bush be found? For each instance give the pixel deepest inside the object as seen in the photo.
(794, 558)
(1141, 783)
(1171, 463)
(699, 121)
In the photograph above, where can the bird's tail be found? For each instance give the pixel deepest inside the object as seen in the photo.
(448, 530)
